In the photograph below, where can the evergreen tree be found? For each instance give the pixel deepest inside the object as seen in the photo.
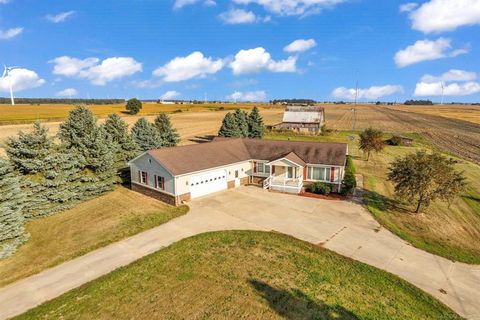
(125, 148)
(229, 127)
(256, 127)
(242, 122)
(168, 134)
(28, 151)
(146, 135)
(12, 232)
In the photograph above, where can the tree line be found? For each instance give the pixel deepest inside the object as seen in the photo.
(41, 177)
(239, 124)
(61, 101)
(294, 101)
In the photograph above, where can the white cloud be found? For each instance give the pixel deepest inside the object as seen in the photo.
(170, 95)
(258, 59)
(293, 7)
(69, 92)
(10, 33)
(21, 79)
(445, 15)
(192, 66)
(61, 17)
(300, 45)
(451, 75)
(408, 7)
(98, 73)
(425, 50)
(248, 96)
(426, 89)
(4, 1)
(374, 92)
(182, 3)
(238, 16)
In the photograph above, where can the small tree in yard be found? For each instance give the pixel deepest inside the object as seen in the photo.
(146, 135)
(256, 127)
(371, 140)
(242, 122)
(134, 106)
(168, 133)
(230, 127)
(423, 178)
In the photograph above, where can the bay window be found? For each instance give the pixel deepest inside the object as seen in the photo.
(262, 168)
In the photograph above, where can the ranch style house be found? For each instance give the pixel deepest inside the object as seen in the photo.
(176, 175)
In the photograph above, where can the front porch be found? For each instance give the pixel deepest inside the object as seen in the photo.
(285, 176)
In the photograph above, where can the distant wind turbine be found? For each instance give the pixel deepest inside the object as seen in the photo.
(443, 91)
(7, 73)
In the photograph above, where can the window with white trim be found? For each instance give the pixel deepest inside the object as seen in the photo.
(262, 168)
(318, 174)
(161, 183)
(143, 177)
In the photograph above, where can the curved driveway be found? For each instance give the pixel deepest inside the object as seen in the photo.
(344, 227)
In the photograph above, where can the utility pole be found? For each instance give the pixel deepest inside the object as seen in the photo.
(355, 107)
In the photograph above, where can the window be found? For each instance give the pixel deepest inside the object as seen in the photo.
(236, 174)
(319, 174)
(289, 172)
(161, 183)
(143, 177)
(262, 167)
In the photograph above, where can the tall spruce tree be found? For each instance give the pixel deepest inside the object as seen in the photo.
(28, 151)
(242, 121)
(146, 135)
(12, 232)
(168, 134)
(125, 147)
(229, 127)
(256, 127)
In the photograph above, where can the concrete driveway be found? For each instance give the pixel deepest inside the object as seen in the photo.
(344, 227)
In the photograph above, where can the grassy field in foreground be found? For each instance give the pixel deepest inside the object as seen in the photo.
(86, 227)
(449, 230)
(27, 113)
(279, 277)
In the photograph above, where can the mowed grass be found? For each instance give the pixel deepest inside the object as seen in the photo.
(88, 226)
(244, 275)
(451, 230)
(28, 113)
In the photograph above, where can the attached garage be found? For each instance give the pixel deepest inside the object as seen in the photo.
(209, 182)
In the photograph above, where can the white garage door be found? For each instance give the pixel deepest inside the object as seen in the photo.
(209, 182)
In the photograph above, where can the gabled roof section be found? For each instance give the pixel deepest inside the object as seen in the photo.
(292, 158)
(226, 151)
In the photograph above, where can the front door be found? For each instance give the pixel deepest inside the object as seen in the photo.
(237, 179)
(289, 173)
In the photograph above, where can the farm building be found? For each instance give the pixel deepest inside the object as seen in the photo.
(178, 174)
(302, 119)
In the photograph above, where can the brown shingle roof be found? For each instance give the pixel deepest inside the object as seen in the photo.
(222, 151)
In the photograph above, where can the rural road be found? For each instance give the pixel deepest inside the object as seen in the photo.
(344, 227)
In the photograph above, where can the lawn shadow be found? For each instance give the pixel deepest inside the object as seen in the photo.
(297, 305)
(382, 203)
(202, 139)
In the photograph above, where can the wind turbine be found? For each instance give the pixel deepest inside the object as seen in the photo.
(443, 91)
(7, 73)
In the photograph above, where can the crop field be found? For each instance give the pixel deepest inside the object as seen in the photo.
(462, 112)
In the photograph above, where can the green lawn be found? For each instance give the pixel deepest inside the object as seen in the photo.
(449, 230)
(88, 226)
(248, 275)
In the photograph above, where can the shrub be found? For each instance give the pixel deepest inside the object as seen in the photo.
(349, 182)
(134, 106)
(321, 188)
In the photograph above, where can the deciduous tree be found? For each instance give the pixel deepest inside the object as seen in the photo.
(371, 141)
(422, 178)
(134, 106)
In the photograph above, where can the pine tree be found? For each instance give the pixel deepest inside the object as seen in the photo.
(229, 127)
(28, 151)
(146, 135)
(12, 232)
(256, 127)
(168, 134)
(242, 122)
(125, 148)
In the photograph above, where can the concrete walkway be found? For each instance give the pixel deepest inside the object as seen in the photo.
(344, 227)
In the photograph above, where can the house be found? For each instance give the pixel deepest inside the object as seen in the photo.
(178, 174)
(302, 119)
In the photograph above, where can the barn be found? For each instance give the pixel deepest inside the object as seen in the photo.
(302, 119)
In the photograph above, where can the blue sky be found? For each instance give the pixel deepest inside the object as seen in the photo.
(239, 49)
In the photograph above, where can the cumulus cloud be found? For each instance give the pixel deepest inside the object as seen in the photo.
(408, 7)
(240, 16)
(195, 65)
(451, 83)
(300, 45)
(372, 93)
(61, 17)
(248, 96)
(69, 92)
(21, 79)
(257, 60)
(445, 15)
(292, 7)
(10, 33)
(425, 50)
(98, 73)
(182, 3)
(170, 95)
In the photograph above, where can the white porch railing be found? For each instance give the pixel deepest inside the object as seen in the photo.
(267, 182)
(285, 185)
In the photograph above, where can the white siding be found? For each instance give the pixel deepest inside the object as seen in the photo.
(146, 163)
